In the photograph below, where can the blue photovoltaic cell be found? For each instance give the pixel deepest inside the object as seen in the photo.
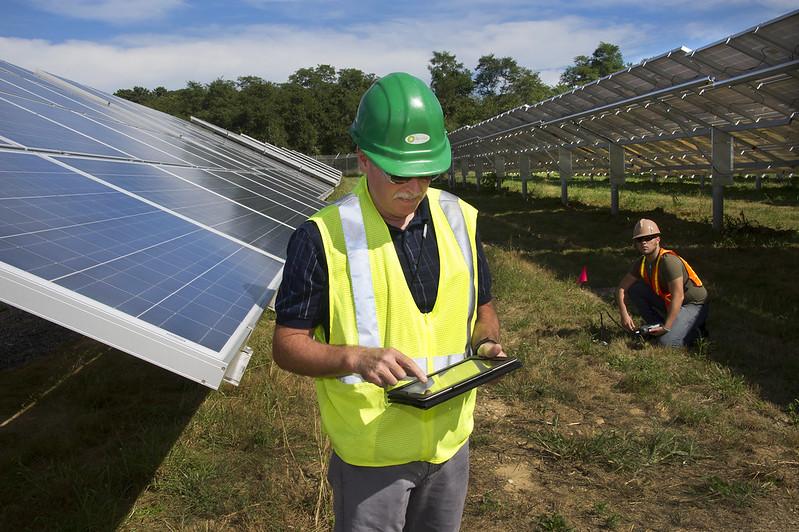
(124, 253)
(199, 203)
(32, 131)
(158, 219)
(254, 191)
(7, 87)
(43, 92)
(125, 145)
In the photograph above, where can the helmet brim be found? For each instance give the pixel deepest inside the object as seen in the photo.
(426, 164)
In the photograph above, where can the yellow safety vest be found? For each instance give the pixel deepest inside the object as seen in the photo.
(371, 305)
(654, 282)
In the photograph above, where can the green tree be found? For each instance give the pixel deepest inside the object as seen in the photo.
(300, 113)
(606, 59)
(311, 78)
(260, 118)
(184, 102)
(333, 98)
(221, 105)
(350, 86)
(502, 84)
(453, 85)
(137, 94)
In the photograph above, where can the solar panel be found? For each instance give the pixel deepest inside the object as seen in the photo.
(746, 85)
(143, 231)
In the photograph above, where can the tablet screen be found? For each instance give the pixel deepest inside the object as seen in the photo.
(452, 381)
(448, 377)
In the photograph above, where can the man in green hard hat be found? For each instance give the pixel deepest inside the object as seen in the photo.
(390, 282)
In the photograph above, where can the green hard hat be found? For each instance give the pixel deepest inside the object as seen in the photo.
(400, 127)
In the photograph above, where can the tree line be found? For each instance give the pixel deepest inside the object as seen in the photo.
(310, 111)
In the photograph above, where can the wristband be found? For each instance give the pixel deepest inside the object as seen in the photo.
(665, 328)
(481, 342)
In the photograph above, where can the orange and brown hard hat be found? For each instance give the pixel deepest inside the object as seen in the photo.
(645, 227)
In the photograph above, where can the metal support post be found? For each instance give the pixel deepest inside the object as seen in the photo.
(478, 171)
(499, 170)
(566, 173)
(524, 170)
(617, 177)
(722, 164)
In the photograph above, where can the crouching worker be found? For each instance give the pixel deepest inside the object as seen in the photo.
(390, 282)
(664, 289)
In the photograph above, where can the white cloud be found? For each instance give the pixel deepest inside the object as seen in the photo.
(113, 11)
(274, 52)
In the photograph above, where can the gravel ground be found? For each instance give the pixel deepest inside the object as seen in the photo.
(24, 337)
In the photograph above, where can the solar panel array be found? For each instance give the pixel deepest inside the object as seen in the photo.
(662, 111)
(139, 229)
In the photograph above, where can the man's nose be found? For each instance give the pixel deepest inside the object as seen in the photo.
(416, 185)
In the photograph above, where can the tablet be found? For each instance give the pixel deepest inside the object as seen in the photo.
(451, 381)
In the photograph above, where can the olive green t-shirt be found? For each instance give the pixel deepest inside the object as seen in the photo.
(672, 267)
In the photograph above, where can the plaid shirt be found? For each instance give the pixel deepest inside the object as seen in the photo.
(302, 301)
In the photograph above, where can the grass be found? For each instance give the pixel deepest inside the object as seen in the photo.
(615, 450)
(596, 431)
(553, 523)
(737, 493)
(609, 519)
(793, 411)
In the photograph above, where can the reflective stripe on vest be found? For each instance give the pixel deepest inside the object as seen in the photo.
(654, 281)
(452, 210)
(361, 276)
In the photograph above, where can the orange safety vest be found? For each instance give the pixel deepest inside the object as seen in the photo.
(654, 282)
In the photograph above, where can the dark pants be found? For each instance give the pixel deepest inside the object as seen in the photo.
(685, 330)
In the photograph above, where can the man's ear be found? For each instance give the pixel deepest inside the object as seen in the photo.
(362, 160)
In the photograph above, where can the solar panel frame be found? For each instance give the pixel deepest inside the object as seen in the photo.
(170, 258)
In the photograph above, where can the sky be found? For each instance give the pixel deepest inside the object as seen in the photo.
(113, 44)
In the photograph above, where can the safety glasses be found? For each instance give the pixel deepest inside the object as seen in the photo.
(646, 238)
(401, 180)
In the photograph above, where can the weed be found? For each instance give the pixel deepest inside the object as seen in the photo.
(695, 414)
(489, 505)
(610, 519)
(192, 480)
(733, 492)
(793, 411)
(617, 450)
(644, 375)
(552, 523)
(728, 386)
(480, 439)
(702, 348)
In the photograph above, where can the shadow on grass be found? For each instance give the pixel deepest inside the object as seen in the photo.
(93, 439)
(753, 307)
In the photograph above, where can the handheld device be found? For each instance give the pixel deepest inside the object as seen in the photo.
(646, 329)
(452, 381)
